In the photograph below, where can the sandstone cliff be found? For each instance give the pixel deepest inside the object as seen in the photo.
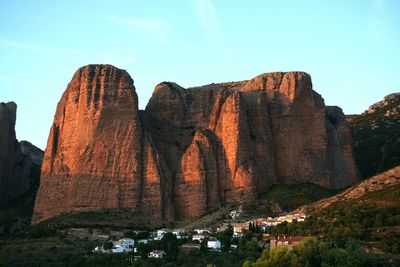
(18, 161)
(192, 150)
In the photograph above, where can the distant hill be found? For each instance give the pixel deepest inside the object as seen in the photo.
(376, 136)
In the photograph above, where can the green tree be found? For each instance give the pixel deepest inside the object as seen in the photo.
(310, 252)
(143, 250)
(226, 238)
(277, 257)
(251, 245)
(170, 245)
(108, 245)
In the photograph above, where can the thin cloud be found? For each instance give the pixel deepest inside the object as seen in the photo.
(138, 24)
(207, 15)
(12, 81)
(378, 22)
(40, 49)
(378, 4)
(154, 27)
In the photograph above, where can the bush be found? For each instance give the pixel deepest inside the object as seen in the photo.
(41, 231)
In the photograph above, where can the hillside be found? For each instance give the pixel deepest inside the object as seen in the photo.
(368, 212)
(376, 136)
(376, 183)
(278, 199)
(285, 198)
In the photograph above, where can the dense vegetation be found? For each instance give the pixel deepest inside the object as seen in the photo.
(42, 246)
(373, 220)
(314, 253)
(376, 139)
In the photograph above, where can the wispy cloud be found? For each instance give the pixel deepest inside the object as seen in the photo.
(139, 24)
(155, 27)
(25, 46)
(378, 3)
(377, 22)
(208, 18)
(17, 82)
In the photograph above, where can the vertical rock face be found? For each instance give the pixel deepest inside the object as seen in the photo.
(17, 160)
(93, 154)
(8, 150)
(192, 150)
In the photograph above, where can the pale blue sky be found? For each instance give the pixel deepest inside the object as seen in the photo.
(350, 48)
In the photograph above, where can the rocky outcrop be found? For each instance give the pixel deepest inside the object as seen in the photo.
(19, 162)
(376, 136)
(388, 100)
(192, 150)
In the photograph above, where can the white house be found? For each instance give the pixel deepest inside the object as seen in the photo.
(158, 254)
(178, 233)
(198, 238)
(118, 249)
(160, 234)
(127, 243)
(201, 231)
(214, 243)
(123, 245)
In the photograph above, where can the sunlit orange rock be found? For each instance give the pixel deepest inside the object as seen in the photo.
(192, 150)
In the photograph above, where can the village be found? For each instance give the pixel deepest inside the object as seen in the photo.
(225, 237)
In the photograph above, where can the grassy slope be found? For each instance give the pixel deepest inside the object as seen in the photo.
(106, 218)
(283, 198)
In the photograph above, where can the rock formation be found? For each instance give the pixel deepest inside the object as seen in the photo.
(376, 136)
(192, 150)
(18, 161)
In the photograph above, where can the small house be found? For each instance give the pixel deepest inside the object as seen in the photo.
(117, 249)
(288, 241)
(201, 231)
(127, 243)
(214, 243)
(157, 254)
(198, 238)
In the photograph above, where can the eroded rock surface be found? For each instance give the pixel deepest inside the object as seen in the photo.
(192, 150)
